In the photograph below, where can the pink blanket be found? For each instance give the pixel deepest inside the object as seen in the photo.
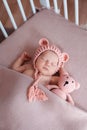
(16, 113)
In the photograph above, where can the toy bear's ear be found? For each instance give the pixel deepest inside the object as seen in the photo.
(43, 42)
(65, 57)
(77, 85)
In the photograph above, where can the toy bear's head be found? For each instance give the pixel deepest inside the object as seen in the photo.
(67, 84)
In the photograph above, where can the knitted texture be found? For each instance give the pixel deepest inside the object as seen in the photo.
(45, 46)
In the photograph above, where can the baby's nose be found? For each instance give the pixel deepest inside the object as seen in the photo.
(48, 62)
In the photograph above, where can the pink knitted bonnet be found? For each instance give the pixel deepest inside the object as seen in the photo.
(45, 46)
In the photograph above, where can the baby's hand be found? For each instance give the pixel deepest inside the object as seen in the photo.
(50, 87)
(25, 56)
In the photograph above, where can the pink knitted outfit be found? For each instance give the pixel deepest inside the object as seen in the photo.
(34, 93)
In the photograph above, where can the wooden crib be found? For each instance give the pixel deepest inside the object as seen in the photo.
(55, 4)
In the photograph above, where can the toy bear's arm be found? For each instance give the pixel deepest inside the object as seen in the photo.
(69, 99)
(59, 92)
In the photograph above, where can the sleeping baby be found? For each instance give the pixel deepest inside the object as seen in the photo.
(48, 59)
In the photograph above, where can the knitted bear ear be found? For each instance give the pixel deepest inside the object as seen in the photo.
(43, 42)
(65, 57)
(77, 85)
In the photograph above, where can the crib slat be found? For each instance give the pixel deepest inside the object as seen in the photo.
(57, 10)
(3, 30)
(76, 2)
(33, 6)
(45, 3)
(65, 9)
(48, 4)
(10, 14)
(21, 10)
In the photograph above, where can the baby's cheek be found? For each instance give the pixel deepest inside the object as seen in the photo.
(40, 67)
(53, 70)
(38, 63)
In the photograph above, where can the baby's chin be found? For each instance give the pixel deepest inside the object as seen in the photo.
(46, 73)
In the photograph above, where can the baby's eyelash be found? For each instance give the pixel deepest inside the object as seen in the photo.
(54, 64)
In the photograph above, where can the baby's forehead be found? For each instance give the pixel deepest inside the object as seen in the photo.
(49, 53)
(52, 56)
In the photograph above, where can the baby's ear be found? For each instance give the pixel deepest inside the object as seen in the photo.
(77, 85)
(43, 42)
(65, 57)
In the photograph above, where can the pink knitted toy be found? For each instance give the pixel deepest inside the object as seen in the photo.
(66, 85)
(45, 64)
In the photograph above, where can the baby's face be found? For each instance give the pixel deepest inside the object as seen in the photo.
(47, 63)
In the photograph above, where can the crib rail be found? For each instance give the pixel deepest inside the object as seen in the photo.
(44, 3)
(10, 14)
(3, 30)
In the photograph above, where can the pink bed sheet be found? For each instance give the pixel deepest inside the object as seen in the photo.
(15, 111)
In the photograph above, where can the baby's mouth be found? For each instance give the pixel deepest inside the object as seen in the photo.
(45, 68)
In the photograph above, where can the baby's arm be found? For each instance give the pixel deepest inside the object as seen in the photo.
(51, 87)
(54, 80)
(18, 65)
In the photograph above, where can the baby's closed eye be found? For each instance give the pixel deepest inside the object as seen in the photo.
(54, 63)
